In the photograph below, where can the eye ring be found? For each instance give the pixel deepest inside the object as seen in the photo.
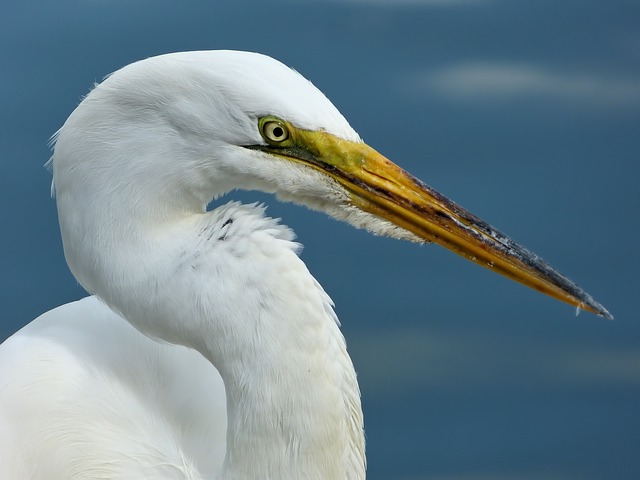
(274, 131)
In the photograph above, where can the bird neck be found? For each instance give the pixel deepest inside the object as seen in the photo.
(293, 412)
(293, 399)
(229, 283)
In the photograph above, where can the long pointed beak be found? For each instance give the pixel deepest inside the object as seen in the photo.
(378, 186)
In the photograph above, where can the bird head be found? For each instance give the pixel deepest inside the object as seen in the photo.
(165, 135)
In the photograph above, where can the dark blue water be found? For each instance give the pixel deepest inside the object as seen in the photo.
(526, 115)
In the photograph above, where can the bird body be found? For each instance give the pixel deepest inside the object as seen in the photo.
(86, 396)
(208, 350)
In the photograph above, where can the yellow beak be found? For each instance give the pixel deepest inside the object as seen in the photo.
(378, 186)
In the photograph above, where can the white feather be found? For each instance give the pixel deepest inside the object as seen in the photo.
(83, 394)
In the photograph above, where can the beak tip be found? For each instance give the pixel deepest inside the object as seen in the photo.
(598, 309)
(605, 313)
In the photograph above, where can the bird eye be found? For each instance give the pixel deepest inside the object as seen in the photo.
(274, 131)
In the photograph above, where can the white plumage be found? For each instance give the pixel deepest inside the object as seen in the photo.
(86, 394)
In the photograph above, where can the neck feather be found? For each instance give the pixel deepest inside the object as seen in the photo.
(293, 399)
(230, 284)
(294, 410)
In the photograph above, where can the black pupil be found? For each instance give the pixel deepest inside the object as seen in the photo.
(277, 132)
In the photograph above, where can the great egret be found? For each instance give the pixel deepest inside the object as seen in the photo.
(221, 299)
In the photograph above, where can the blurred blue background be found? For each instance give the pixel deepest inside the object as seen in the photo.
(527, 113)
